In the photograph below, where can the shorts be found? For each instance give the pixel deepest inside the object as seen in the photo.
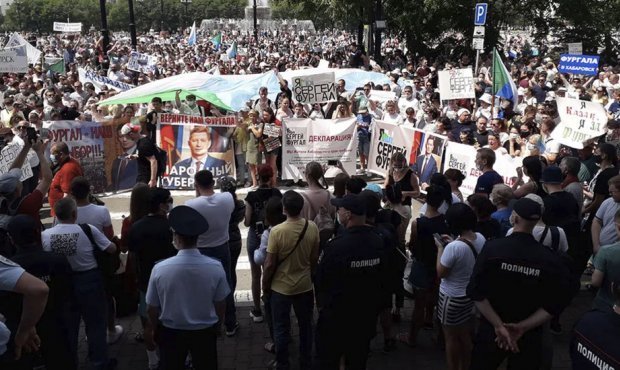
(452, 311)
(363, 145)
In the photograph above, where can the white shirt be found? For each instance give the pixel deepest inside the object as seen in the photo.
(70, 241)
(216, 209)
(548, 242)
(392, 118)
(404, 103)
(459, 258)
(97, 216)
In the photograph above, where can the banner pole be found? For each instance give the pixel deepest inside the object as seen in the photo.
(492, 84)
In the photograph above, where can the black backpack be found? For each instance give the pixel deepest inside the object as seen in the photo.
(259, 214)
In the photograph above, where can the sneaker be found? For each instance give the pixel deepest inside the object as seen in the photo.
(256, 315)
(233, 330)
(114, 336)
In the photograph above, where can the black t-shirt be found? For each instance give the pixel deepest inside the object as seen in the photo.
(596, 341)
(150, 239)
(561, 209)
(146, 148)
(482, 138)
(602, 186)
(518, 275)
(486, 182)
(234, 234)
(424, 249)
(490, 229)
(257, 199)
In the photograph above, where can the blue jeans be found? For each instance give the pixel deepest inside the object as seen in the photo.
(222, 254)
(303, 304)
(89, 303)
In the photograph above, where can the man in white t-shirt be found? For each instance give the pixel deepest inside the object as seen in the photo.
(99, 217)
(217, 209)
(408, 100)
(69, 239)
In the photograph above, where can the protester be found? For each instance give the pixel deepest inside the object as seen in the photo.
(67, 168)
(606, 262)
(485, 159)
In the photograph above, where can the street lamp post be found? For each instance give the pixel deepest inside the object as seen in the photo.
(186, 3)
(104, 27)
(255, 23)
(132, 25)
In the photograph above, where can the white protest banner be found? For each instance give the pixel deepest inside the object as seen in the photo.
(580, 122)
(575, 48)
(463, 158)
(193, 144)
(387, 139)
(382, 96)
(456, 84)
(141, 62)
(12, 62)
(99, 81)
(315, 88)
(7, 157)
(67, 27)
(319, 140)
(183, 119)
(17, 40)
(96, 146)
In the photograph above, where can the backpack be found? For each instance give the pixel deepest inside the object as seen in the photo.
(7, 211)
(323, 220)
(574, 276)
(259, 214)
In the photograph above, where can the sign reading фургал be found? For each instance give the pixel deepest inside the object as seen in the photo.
(315, 88)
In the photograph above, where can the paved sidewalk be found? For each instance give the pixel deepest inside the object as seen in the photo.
(245, 350)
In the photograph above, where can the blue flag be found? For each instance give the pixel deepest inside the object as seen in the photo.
(191, 40)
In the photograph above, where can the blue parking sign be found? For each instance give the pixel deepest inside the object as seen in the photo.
(480, 17)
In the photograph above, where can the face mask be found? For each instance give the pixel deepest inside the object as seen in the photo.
(514, 136)
(53, 158)
(342, 220)
(597, 159)
(538, 117)
(51, 101)
(525, 134)
(191, 103)
(511, 219)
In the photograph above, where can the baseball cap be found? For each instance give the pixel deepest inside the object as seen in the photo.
(351, 202)
(187, 221)
(9, 180)
(552, 175)
(528, 209)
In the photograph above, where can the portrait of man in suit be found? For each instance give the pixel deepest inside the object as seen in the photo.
(124, 167)
(199, 143)
(427, 163)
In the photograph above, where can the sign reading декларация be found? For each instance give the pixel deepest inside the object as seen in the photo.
(586, 65)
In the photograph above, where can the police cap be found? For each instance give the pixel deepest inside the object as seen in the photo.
(351, 202)
(187, 221)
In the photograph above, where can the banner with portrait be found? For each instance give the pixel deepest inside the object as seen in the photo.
(463, 158)
(422, 150)
(142, 62)
(97, 147)
(322, 140)
(195, 143)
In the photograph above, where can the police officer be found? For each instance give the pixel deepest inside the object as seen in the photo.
(517, 285)
(349, 283)
(55, 271)
(14, 279)
(596, 339)
(186, 297)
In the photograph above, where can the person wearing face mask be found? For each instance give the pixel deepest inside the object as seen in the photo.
(189, 107)
(149, 241)
(606, 157)
(66, 169)
(186, 296)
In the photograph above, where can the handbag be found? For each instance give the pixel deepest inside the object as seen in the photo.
(108, 263)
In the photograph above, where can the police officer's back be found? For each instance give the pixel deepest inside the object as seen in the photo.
(513, 278)
(54, 270)
(596, 339)
(348, 283)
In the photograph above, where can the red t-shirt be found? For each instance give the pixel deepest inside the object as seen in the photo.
(61, 183)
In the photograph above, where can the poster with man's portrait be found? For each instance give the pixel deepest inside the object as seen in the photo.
(426, 155)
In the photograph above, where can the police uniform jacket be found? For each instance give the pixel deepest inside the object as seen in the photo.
(596, 341)
(351, 275)
(518, 275)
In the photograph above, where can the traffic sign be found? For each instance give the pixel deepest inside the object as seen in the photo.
(480, 17)
(479, 31)
(478, 43)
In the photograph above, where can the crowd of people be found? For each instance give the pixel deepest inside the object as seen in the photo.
(490, 271)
